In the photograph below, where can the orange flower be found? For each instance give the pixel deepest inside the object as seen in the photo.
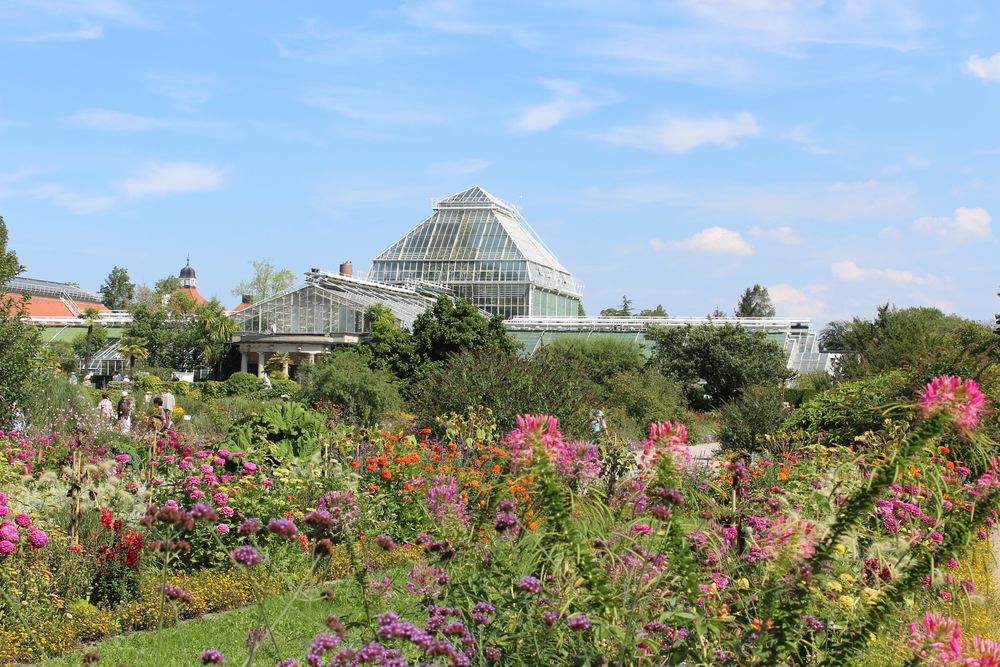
(532, 525)
(372, 488)
(386, 473)
(355, 464)
(452, 446)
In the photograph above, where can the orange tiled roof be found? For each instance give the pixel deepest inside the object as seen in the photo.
(193, 293)
(40, 306)
(240, 306)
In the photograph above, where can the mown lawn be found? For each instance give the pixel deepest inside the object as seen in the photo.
(301, 617)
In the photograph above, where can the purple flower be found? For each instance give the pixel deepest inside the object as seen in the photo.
(283, 527)
(23, 520)
(255, 636)
(493, 653)
(320, 644)
(250, 526)
(212, 657)
(288, 662)
(579, 622)
(246, 555)
(530, 584)
(550, 617)
(385, 542)
(204, 511)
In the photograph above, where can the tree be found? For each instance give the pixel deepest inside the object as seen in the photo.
(718, 312)
(754, 302)
(133, 349)
(217, 331)
(19, 339)
(98, 337)
(625, 310)
(267, 281)
(90, 315)
(727, 359)
(833, 337)
(388, 346)
(117, 291)
(894, 339)
(580, 312)
(659, 311)
(600, 359)
(449, 327)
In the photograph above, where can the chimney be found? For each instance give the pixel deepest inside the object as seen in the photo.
(247, 299)
(346, 269)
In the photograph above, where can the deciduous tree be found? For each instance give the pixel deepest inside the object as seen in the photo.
(19, 340)
(754, 302)
(266, 281)
(117, 291)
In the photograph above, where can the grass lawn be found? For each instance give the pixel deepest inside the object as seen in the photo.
(301, 614)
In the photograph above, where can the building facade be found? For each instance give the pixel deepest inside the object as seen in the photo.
(481, 249)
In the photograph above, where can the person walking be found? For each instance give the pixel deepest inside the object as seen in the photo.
(72, 378)
(18, 424)
(125, 407)
(106, 409)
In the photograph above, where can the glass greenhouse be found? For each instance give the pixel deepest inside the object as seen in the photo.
(480, 248)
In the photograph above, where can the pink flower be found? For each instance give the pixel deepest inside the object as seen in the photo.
(122, 458)
(37, 538)
(6, 547)
(249, 468)
(961, 398)
(23, 520)
(223, 529)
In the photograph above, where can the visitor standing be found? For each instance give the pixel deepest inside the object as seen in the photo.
(72, 378)
(598, 425)
(105, 408)
(18, 424)
(168, 406)
(125, 407)
(158, 424)
(267, 381)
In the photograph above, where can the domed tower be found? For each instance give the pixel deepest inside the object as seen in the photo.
(188, 277)
(189, 282)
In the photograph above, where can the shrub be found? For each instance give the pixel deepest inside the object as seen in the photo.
(243, 384)
(361, 393)
(851, 408)
(756, 413)
(645, 396)
(281, 386)
(282, 431)
(150, 383)
(213, 389)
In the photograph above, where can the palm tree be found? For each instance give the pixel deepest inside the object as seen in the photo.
(133, 348)
(217, 330)
(90, 315)
(278, 362)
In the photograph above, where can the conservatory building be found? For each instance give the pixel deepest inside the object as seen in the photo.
(481, 249)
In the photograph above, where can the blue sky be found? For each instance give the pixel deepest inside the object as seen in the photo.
(843, 153)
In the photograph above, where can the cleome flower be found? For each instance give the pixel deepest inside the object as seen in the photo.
(961, 399)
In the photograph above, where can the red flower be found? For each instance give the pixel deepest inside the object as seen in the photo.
(107, 518)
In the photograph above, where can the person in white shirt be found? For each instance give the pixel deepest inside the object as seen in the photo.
(168, 406)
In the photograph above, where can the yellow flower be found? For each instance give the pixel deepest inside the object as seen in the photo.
(847, 601)
(840, 549)
(743, 584)
(846, 578)
(834, 586)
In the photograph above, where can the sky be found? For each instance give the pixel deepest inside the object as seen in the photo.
(844, 153)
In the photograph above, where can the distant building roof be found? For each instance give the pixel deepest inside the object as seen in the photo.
(51, 289)
(40, 306)
(194, 294)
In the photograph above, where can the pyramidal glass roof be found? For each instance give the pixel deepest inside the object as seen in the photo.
(476, 214)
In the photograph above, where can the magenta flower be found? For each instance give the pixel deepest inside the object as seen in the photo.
(212, 657)
(222, 529)
(6, 547)
(123, 458)
(23, 520)
(37, 538)
(9, 532)
(962, 399)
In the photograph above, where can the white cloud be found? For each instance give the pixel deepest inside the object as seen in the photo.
(185, 90)
(802, 135)
(792, 301)
(674, 134)
(773, 204)
(117, 121)
(458, 167)
(717, 240)
(965, 224)
(75, 202)
(783, 234)
(444, 16)
(852, 272)
(987, 69)
(568, 101)
(889, 233)
(374, 107)
(157, 179)
(65, 20)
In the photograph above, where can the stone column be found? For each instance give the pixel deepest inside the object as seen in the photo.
(284, 368)
(243, 362)
(312, 357)
(260, 364)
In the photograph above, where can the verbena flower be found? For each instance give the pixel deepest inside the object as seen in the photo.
(530, 584)
(283, 527)
(579, 622)
(212, 657)
(246, 555)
